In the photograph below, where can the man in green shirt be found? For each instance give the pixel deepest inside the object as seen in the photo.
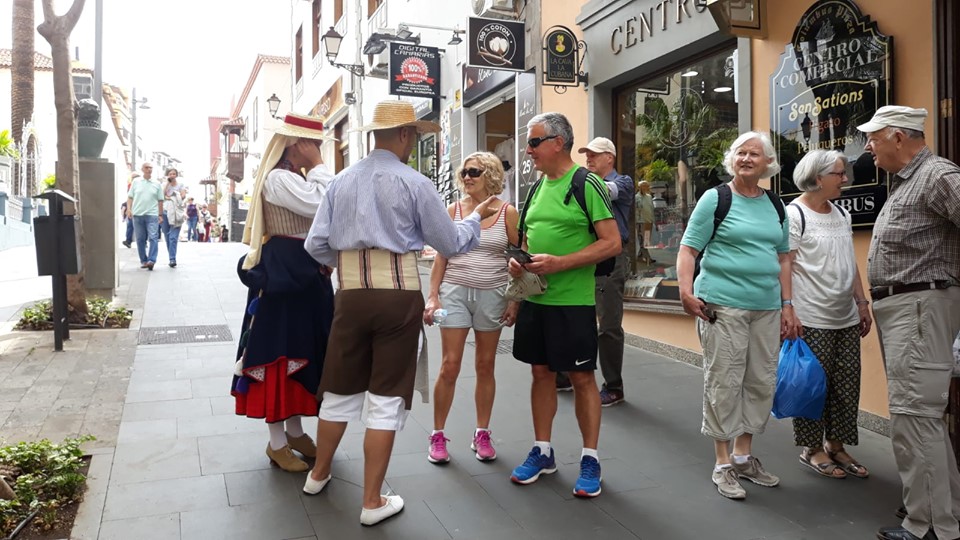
(557, 330)
(145, 208)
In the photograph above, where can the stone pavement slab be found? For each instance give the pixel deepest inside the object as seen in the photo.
(184, 466)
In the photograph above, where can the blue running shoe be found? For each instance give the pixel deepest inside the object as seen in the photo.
(535, 465)
(588, 485)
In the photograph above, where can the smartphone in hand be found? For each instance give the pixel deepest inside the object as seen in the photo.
(520, 255)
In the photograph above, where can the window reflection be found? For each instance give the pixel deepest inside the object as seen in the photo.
(674, 130)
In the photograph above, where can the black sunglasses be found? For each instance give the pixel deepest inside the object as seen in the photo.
(536, 141)
(471, 172)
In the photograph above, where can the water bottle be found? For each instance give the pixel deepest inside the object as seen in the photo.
(439, 315)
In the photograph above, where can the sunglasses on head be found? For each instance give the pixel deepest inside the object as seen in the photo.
(537, 141)
(471, 172)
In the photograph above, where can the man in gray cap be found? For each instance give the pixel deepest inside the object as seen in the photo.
(601, 160)
(914, 269)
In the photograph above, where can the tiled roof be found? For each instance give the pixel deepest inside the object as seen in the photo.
(260, 61)
(42, 62)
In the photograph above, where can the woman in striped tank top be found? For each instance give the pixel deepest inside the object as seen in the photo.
(471, 287)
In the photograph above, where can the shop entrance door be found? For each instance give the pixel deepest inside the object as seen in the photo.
(948, 43)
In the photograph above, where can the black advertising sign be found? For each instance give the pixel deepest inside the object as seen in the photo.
(481, 82)
(561, 57)
(495, 44)
(414, 70)
(833, 76)
(526, 104)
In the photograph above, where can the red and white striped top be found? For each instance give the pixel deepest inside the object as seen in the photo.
(484, 267)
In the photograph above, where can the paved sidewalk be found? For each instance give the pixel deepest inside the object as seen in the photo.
(185, 467)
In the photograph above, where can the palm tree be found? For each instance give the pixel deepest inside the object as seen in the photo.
(21, 72)
(56, 30)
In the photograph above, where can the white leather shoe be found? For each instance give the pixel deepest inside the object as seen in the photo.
(393, 507)
(312, 487)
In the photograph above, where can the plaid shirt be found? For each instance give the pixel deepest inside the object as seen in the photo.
(916, 237)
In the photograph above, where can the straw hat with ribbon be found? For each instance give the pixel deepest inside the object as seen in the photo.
(395, 113)
(294, 128)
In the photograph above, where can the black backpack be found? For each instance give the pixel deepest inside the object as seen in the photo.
(724, 200)
(577, 190)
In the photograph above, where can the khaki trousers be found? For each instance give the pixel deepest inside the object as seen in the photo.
(916, 336)
(739, 370)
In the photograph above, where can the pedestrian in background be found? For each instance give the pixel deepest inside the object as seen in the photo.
(829, 301)
(912, 268)
(470, 287)
(557, 330)
(145, 208)
(206, 221)
(193, 216)
(743, 284)
(173, 214)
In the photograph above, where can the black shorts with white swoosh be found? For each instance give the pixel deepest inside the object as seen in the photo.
(561, 337)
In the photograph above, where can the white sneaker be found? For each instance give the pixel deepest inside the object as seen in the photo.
(393, 507)
(312, 487)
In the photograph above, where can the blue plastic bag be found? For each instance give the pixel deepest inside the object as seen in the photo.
(801, 383)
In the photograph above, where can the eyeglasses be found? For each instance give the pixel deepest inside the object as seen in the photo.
(841, 173)
(537, 141)
(471, 172)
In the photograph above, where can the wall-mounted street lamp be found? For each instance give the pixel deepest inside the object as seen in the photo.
(273, 105)
(332, 41)
(243, 144)
(805, 126)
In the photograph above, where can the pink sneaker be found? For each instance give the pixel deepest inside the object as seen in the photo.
(482, 445)
(438, 448)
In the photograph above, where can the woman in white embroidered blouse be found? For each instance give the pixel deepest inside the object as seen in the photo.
(830, 303)
(471, 287)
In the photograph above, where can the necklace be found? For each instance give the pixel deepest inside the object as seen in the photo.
(737, 190)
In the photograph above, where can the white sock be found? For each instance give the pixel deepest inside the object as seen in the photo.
(434, 432)
(544, 447)
(278, 439)
(479, 429)
(294, 427)
(740, 460)
(718, 467)
(592, 452)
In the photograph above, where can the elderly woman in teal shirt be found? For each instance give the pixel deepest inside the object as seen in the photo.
(743, 284)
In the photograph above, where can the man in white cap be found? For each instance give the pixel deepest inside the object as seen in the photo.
(377, 214)
(913, 269)
(601, 160)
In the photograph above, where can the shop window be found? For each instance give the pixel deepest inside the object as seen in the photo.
(317, 26)
(298, 60)
(673, 130)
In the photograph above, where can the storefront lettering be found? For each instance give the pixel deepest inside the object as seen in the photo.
(638, 28)
(856, 205)
(819, 104)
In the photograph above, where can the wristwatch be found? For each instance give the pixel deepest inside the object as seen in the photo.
(787, 302)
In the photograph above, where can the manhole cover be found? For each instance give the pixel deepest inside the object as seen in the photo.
(160, 335)
(505, 346)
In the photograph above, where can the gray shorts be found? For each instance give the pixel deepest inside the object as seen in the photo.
(467, 307)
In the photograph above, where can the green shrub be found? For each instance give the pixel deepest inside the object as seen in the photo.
(47, 477)
(100, 312)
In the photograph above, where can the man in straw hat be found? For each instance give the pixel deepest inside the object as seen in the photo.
(290, 299)
(913, 267)
(376, 215)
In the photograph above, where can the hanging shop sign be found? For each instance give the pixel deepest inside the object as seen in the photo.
(833, 76)
(414, 70)
(495, 44)
(330, 103)
(481, 82)
(562, 60)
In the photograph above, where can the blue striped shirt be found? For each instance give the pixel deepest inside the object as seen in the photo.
(382, 203)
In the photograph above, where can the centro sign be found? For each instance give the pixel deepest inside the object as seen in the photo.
(638, 28)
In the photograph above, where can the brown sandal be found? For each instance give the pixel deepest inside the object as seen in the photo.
(851, 467)
(827, 468)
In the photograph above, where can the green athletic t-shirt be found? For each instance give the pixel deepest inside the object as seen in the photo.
(740, 267)
(557, 228)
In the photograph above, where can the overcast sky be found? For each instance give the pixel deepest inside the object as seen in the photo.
(188, 57)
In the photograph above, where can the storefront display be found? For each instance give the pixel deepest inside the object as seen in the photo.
(672, 134)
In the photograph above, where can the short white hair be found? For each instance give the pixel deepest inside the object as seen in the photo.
(772, 169)
(815, 164)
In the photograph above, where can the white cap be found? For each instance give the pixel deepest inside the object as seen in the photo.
(895, 116)
(600, 145)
